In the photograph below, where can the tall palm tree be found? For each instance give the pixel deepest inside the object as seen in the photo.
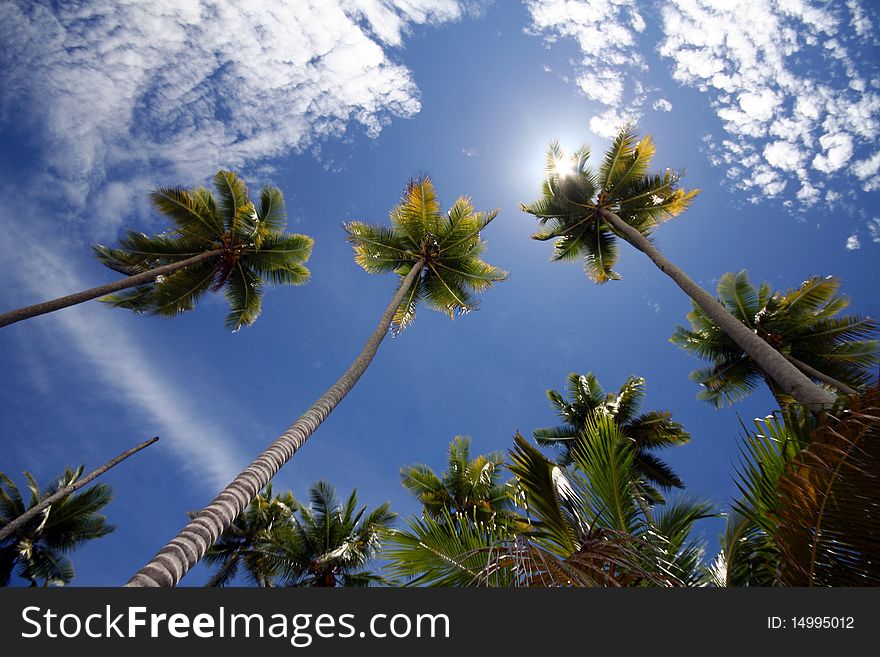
(40, 547)
(584, 210)
(581, 527)
(225, 243)
(245, 543)
(803, 324)
(468, 486)
(328, 542)
(437, 258)
(648, 431)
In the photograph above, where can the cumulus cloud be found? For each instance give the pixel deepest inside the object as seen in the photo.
(852, 243)
(611, 67)
(184, 88)
(662, 105)
(792, 82)
(784, 80)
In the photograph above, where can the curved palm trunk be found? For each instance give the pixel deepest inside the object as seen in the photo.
(824, 378)
(183, 551)
(789, 378)
(13, 316)
(10, 527)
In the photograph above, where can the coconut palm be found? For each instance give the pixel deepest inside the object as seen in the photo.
(39, 547)
(810, 498)
(585, 210)
(245, 543)
(803, 324)
(647, 431)
(468, 486)
(581, 527)
(227, 243)
(329, 542)
(437, 258)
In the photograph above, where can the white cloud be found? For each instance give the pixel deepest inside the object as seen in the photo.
(470, 152)
(662, 105)
(607, 33)
(874, 229)
(106, 349)
(852, 243)
(185, 88)
(838, 149)
(790, 81)
(749, 58)
(608, 123)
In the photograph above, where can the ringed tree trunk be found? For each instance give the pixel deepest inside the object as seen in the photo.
(820, 376)
(13, 316)
(785, 374)
(11, 526)
(174, 560)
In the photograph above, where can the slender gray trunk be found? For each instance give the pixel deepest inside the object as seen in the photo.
(10, 527)
(185, 550)
(824, 378)
(13, 316)
(790, 379)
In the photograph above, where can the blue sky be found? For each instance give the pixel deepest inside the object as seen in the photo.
(772, 108)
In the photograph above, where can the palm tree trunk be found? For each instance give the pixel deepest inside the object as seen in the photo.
(824, 378)
(10, 527)
(789, 378)
(173, 561)
(13, 316)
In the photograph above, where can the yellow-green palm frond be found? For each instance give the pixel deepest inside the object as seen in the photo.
(448, 246)
(248, 245)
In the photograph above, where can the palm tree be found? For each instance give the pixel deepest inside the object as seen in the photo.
(810, 504)
(583, 210)
(328, 543)
(437, 258)
(468, 486)
(647, 431)
(245, 542)
(228, 243)
(803, 324)
(580, 527)
(40, 546)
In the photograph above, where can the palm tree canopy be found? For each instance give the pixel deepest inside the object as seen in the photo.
(243, 544)
(647, 431)
(249, 238)
(580, 527)
(802, 323)
(809, 489)
(468, 486)
(574, 195)
(329, 542)
(40, 547)
(450, 246)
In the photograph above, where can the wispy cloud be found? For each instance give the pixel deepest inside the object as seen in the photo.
(121, 90)
(120, 97)
(853, 243)
(105, 349)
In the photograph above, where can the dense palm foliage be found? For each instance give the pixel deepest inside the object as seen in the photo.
(445, 248)
(438, 260)
(248, 239)
(244, 544)
(579, 526)
(809, 514)
(648, 431)
(585, 210)
(574, 195)
(468, 486)
(40, 548)
(804, 324)
(329, 542)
